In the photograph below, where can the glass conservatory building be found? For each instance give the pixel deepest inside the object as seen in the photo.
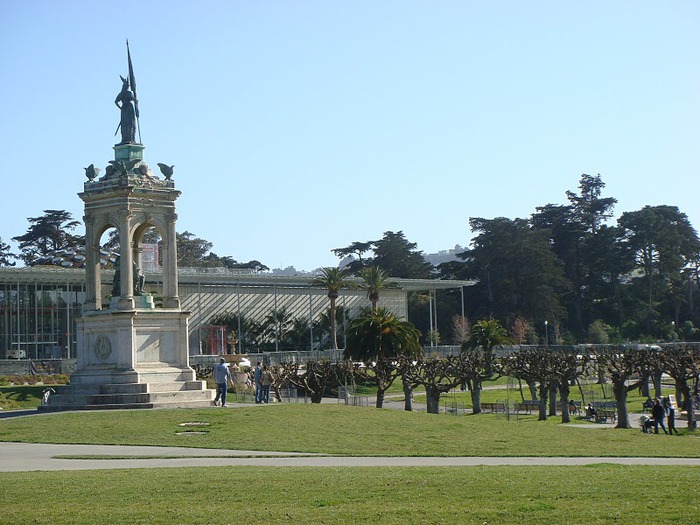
(39, 305)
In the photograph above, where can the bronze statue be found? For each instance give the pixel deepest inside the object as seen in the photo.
(123, 168)
(116, 283)
(125, 102)
(91, 172)
(166, 170)
(128, 103)
(138, 279)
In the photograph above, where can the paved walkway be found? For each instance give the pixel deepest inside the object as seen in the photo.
(24, 457)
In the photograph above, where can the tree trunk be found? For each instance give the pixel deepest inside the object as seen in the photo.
(475, 391)
(680, 395)
(692, 424)
(316, 396)
(553, 387)
(432, 395)
(656, 379)
(276, 390)
(620, 391)
(476, 396)
(408, 396)
(520, 385)
(564, 396)
(543, 402)
(381, 389)
(601, 375)
(644, 387)
(533, 389)
(334, 330)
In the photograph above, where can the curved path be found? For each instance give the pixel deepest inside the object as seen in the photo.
(23, 457)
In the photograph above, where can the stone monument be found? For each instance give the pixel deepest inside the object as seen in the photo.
(130, 354)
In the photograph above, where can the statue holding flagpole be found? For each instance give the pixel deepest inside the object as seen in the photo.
(128, 104)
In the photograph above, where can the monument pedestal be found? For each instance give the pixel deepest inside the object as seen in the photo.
(131, 355)
(132, 359)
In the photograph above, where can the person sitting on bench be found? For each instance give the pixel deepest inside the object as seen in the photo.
(591, 412)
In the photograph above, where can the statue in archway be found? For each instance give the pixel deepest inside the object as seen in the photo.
(138, 279)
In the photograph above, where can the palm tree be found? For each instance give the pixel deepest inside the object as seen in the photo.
(332, 279)
(374, 279)
(487, 334)
(378, 338)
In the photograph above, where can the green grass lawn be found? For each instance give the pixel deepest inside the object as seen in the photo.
(26, 396)
(408, 495)
(340, 429)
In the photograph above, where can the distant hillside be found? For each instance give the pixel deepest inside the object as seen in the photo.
(433, 258)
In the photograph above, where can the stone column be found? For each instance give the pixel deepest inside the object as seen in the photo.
(126, 255)
(93, 288)
(171, 298)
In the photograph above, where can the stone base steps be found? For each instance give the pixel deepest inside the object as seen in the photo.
(165, 388)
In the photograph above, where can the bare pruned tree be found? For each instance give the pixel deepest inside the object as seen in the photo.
(315, 377)
(682, 363)
(626, 367)
(437, 375)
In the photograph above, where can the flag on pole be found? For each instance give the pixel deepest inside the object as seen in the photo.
(132, 79)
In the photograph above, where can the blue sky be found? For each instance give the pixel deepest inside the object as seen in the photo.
(297, 127)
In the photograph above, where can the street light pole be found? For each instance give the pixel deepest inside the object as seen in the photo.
(546, 334)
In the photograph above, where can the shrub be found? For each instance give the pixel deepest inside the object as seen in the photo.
(7, 404)
(17, 380)
(55, 379)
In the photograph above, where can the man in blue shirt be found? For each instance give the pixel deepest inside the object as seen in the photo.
(221, 376)
(257, 378)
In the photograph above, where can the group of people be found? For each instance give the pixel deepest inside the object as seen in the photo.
(262, 377)
(662, 411)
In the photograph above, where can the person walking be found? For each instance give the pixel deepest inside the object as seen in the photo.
(257, 379)
(222, 375)
(658, 414)
(670, 416)
(266, 380)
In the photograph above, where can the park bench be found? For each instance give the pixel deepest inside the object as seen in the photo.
(605, 404)
(529, 405)
(602, 415)
(454, 408)
(574, 407)
(683, 415)
(493, 407)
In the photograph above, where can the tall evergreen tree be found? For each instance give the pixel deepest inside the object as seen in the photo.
(400, 258)
(52, 231)
(518, 274)
(664, 246)
(6, 254)
(577, 233)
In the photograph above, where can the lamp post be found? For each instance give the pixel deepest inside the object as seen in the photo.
(546, 334)
(673, 332)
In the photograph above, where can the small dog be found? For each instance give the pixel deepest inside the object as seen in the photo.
(46, 394)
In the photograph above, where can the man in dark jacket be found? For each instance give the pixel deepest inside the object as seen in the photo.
(659, 414)
(257, 378)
